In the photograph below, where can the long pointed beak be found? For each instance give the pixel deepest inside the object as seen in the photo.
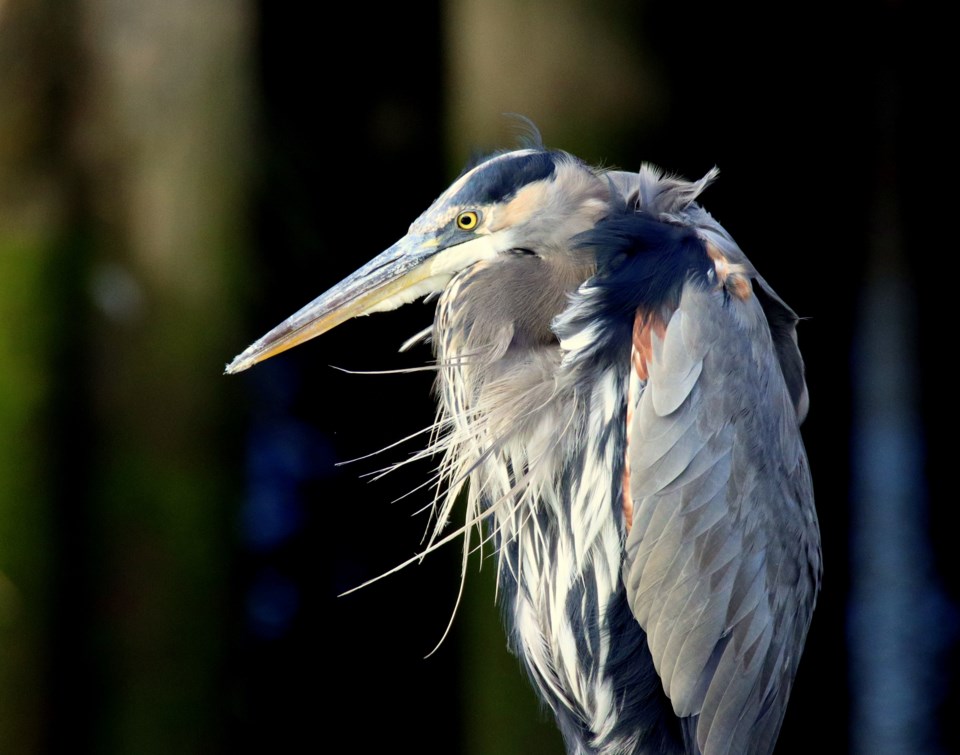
(395, 277)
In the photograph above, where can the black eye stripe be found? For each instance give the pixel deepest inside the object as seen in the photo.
(501, 179)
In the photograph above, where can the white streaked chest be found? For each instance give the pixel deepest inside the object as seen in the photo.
(548, 464)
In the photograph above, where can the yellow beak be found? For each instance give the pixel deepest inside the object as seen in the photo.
(395, 277)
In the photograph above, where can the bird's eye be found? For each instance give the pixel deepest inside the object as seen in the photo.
(467, 221)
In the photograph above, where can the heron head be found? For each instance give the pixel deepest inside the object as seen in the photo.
(528, 200)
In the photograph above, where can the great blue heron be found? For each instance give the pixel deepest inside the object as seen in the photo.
(623, 393)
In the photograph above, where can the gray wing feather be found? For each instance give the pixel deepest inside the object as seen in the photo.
(681, 356)
(722, 562)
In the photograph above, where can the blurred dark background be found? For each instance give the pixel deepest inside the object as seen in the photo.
(177, 176)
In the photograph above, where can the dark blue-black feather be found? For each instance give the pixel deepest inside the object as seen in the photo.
(639, 694)
(643, 261)
(642, 264)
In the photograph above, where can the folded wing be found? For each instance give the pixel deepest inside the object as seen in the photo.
(722, 560)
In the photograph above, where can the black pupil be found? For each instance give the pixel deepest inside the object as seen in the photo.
(466, 221)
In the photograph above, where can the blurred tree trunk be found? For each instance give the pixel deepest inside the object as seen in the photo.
(31, 228)
(165, 145)
(124, 165)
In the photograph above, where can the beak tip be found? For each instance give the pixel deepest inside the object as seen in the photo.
(240, 363)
